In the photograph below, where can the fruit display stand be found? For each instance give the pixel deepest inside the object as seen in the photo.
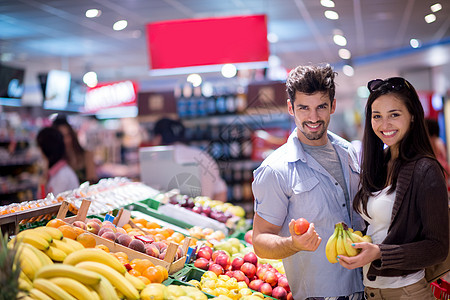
(168, 262)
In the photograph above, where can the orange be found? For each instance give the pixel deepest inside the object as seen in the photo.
(68, 231)
(103, 247)
(87, 240)
(141, 265)
(145, 280)
(126, 226)
(134, 273)
(177, 237)
(121, 254)
(56, 223)
(141, 221)
(78, 230)
(154, 274)
(152, 225)
(164, 271)
(122, 260)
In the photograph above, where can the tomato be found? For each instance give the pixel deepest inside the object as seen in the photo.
(301, 226)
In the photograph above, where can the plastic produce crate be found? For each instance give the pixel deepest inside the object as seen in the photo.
(152, 203)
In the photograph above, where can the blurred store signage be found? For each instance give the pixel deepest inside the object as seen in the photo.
(11, 85)
(57, 89)
(156, 103)
(111, 95)
(181, 44)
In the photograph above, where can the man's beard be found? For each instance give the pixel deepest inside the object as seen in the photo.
(312, 136)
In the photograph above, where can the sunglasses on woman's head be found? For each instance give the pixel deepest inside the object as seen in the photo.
(394, 83)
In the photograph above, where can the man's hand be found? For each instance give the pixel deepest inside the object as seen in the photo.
(309, 241)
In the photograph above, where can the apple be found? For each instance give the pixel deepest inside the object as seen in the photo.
(255, 284)
(266, 289)
(229, 273)
(223, 260)
(283, 282)
(271, 278)
(301, 226)
(289, 296)
(249, 269)
(217, 252)
(279, 293)
(215, 268)
(205, 252)
(93, 227)
(201, 263)
(248, 237)
(251, 258)
(261, 271)
(239, 275)
(80, 224)
(237, 263)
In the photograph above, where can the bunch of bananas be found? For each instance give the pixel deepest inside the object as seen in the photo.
(340, 242)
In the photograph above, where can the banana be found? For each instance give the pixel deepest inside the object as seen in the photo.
(51, 289)
(62, 270)
(55, 233)
(62, 246)
(348, 244)
(357, 232)
(340, 248)
(367, 239)
(44, 259)
(38, 295)
(29, 262)
(96, 255)
(74, 244)
(94, 294)
(73, 287)
(355, 237)
(105, 289)
(330, 248)
(24, 285)
(25, 277)
(56, 254)
(34, 240)
(136, 282)
(117, 279)
(46, 236)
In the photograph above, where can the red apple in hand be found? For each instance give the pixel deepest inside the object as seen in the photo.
(301, 226)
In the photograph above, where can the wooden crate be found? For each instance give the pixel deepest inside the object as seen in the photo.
(168, 262)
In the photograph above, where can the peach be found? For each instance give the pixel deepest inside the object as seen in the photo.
(109, 235)
(110, 225)
(103, 230)
(137, 245)
(79, 224)
(98, 221)
(93, 227)
(152, 250)
(124, 239)
(121, 230)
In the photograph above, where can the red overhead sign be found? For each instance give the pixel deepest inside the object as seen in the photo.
(109, 95)
(210, 41)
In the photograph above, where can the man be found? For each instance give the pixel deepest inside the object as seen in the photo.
(171, 132)
(314, 175)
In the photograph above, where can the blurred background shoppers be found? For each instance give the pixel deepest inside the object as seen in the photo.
(59, 176)
(172, 132)
(81, 161)
(437, 143)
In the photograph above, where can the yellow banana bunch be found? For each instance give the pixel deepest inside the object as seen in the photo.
(116, 278)
(37, 238)
(340, 242)
(55, 233)
(55, 254)
(95, 255)
(73, 287)
(73, 244)
(29, 261)
(63, 270)
(51, 289)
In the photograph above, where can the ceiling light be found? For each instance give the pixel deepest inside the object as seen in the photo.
(331, 14)
(430, 18)
(339, 40)
(272, 37)
(93, 13)
(327, 3)
(415, 43)
(229, 70)
(195, 79)
(90, 79)
(120, 25)
(345, 54)
(436, 7)
(348, 70)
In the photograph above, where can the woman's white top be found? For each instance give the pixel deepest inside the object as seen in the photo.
(379, 208)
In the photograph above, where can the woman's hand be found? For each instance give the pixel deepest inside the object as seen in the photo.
(309, 241)
(369, 252)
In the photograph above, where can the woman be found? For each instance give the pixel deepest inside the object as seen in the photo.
(60, 176)
(81, 161)
(402, 196)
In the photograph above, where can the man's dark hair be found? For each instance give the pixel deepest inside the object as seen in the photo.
(171, 131)
(310, 80)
